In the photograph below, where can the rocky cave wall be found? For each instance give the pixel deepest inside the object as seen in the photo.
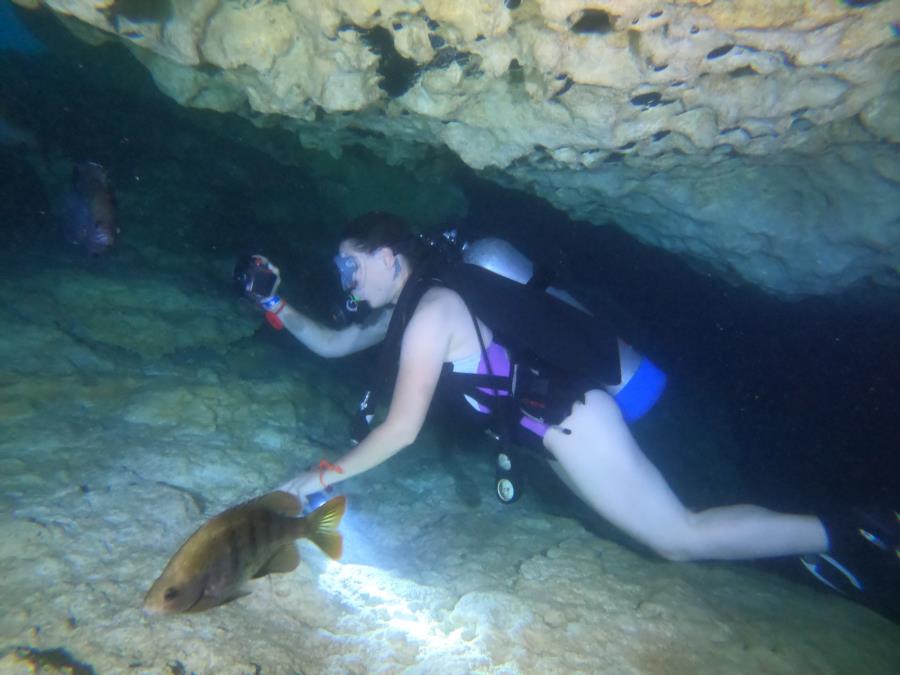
(759, 138)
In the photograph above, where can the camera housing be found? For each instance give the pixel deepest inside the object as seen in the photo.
(252, 278)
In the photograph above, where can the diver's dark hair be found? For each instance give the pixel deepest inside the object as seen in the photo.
(377, 229)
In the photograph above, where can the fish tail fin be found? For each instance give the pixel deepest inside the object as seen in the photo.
(321, 525)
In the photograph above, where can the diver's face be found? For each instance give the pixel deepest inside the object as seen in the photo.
(371, 276)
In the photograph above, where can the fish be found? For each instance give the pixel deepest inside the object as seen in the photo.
(248, 541)
(90, 218)
(138, 11)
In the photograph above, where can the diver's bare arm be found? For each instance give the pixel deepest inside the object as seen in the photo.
(425, 346)
(329, 342)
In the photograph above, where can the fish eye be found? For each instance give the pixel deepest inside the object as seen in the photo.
(170, 594)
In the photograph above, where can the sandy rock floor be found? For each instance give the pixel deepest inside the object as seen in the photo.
(109, 460)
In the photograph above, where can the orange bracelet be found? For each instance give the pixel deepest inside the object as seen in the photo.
(272, 316)
(324, 466)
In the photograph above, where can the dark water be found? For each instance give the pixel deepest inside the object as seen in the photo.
(13, 35)
(808, 391)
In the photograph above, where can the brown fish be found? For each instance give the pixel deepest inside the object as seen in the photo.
(247, 541)
(90, 218)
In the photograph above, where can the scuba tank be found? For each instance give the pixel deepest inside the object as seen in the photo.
(500, 257)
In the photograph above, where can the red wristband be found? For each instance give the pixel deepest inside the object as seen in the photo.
(274, 321)
(324, 466)
(272, 316)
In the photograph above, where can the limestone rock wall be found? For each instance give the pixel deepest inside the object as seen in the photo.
(760, 138)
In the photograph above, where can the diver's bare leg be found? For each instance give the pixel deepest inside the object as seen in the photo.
(602, 463)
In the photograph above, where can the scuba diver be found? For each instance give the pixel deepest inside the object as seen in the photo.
(544, 374)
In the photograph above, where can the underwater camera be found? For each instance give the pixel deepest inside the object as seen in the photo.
(253, 277)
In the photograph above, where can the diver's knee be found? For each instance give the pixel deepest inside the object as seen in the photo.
(674, 549)
(677, 544)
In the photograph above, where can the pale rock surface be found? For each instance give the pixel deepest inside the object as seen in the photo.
(757, 138)
(140, 313)
(107, 464)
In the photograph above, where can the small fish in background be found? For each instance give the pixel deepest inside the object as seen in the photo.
(248, 541)
(89, 218)
(138, 11)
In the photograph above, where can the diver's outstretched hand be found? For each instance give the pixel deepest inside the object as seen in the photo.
(301, 486)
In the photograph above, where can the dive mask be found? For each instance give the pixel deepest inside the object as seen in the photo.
(347, 267)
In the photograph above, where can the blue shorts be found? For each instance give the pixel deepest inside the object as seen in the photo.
(642, 391)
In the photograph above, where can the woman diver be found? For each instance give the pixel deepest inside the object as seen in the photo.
(589, 444)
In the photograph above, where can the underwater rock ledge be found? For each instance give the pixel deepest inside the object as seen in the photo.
(758, 139)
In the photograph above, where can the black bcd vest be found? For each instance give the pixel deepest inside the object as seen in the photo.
(571, 350)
